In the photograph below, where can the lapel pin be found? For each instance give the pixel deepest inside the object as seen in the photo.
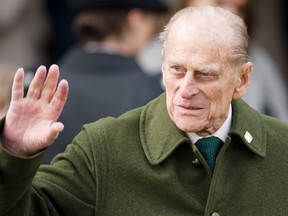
(248, 137)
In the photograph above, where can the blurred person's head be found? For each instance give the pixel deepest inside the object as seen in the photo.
(127, 24)
(200, 2)
(205, 66)
(235, 6)
(239, 7)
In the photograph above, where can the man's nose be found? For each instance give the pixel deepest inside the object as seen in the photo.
(189, 86)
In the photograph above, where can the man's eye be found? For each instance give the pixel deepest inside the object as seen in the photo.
(206, 75)
(177, 70)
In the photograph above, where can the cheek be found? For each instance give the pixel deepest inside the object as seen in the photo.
(170, 93)
(169, 104)
(223, 91)
(169, 82)
(171, 89)
(220, 99)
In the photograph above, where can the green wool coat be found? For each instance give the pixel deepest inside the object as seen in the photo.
(140, 164)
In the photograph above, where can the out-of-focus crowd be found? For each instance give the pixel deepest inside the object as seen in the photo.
(114, 50)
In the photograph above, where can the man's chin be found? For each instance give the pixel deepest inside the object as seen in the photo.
(187, 127)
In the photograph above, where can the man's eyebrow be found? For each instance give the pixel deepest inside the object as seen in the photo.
(210, 68)
(173, 62)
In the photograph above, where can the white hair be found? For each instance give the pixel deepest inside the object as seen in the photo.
(239, 43)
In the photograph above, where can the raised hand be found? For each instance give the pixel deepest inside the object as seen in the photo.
(31, 122)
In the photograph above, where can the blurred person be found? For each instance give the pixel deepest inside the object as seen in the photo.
(149, 58)
(6, 77)
(104, 77)
(153, 160)
(61, 17)
(24, 33)
(268, 89)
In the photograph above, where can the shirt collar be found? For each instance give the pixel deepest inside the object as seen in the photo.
(221, 133)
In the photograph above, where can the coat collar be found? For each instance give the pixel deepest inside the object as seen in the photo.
(247, 125)
(160, 136)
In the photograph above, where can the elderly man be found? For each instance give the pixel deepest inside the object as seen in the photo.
(153, 160)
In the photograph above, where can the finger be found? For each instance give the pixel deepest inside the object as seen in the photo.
(18, 85)
(55, 129)
(60, 97)
(35, 87)
(50, 83)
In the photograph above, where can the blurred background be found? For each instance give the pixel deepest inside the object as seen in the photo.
(271, 29)
(43, 27)
(35, 32)
(41, 32)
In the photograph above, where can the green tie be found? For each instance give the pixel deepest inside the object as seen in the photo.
(209, 148)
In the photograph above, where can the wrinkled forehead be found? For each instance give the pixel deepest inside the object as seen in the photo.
(201, 35)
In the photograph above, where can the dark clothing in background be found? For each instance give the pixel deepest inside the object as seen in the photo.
(62, 38)
(100, 84)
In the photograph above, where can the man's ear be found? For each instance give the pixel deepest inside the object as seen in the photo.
(243, 80)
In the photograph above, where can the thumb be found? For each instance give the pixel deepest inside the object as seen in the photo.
(56, 128)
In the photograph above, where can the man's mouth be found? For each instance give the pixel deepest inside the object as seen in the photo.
(187, 107)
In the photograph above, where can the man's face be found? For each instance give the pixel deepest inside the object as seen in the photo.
(199, 84)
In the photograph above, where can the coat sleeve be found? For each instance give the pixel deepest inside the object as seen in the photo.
(66, 187)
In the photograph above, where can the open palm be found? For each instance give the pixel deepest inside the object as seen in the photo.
(31, 122)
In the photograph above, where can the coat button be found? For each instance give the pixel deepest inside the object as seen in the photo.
(215, 214)
(196, 162)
